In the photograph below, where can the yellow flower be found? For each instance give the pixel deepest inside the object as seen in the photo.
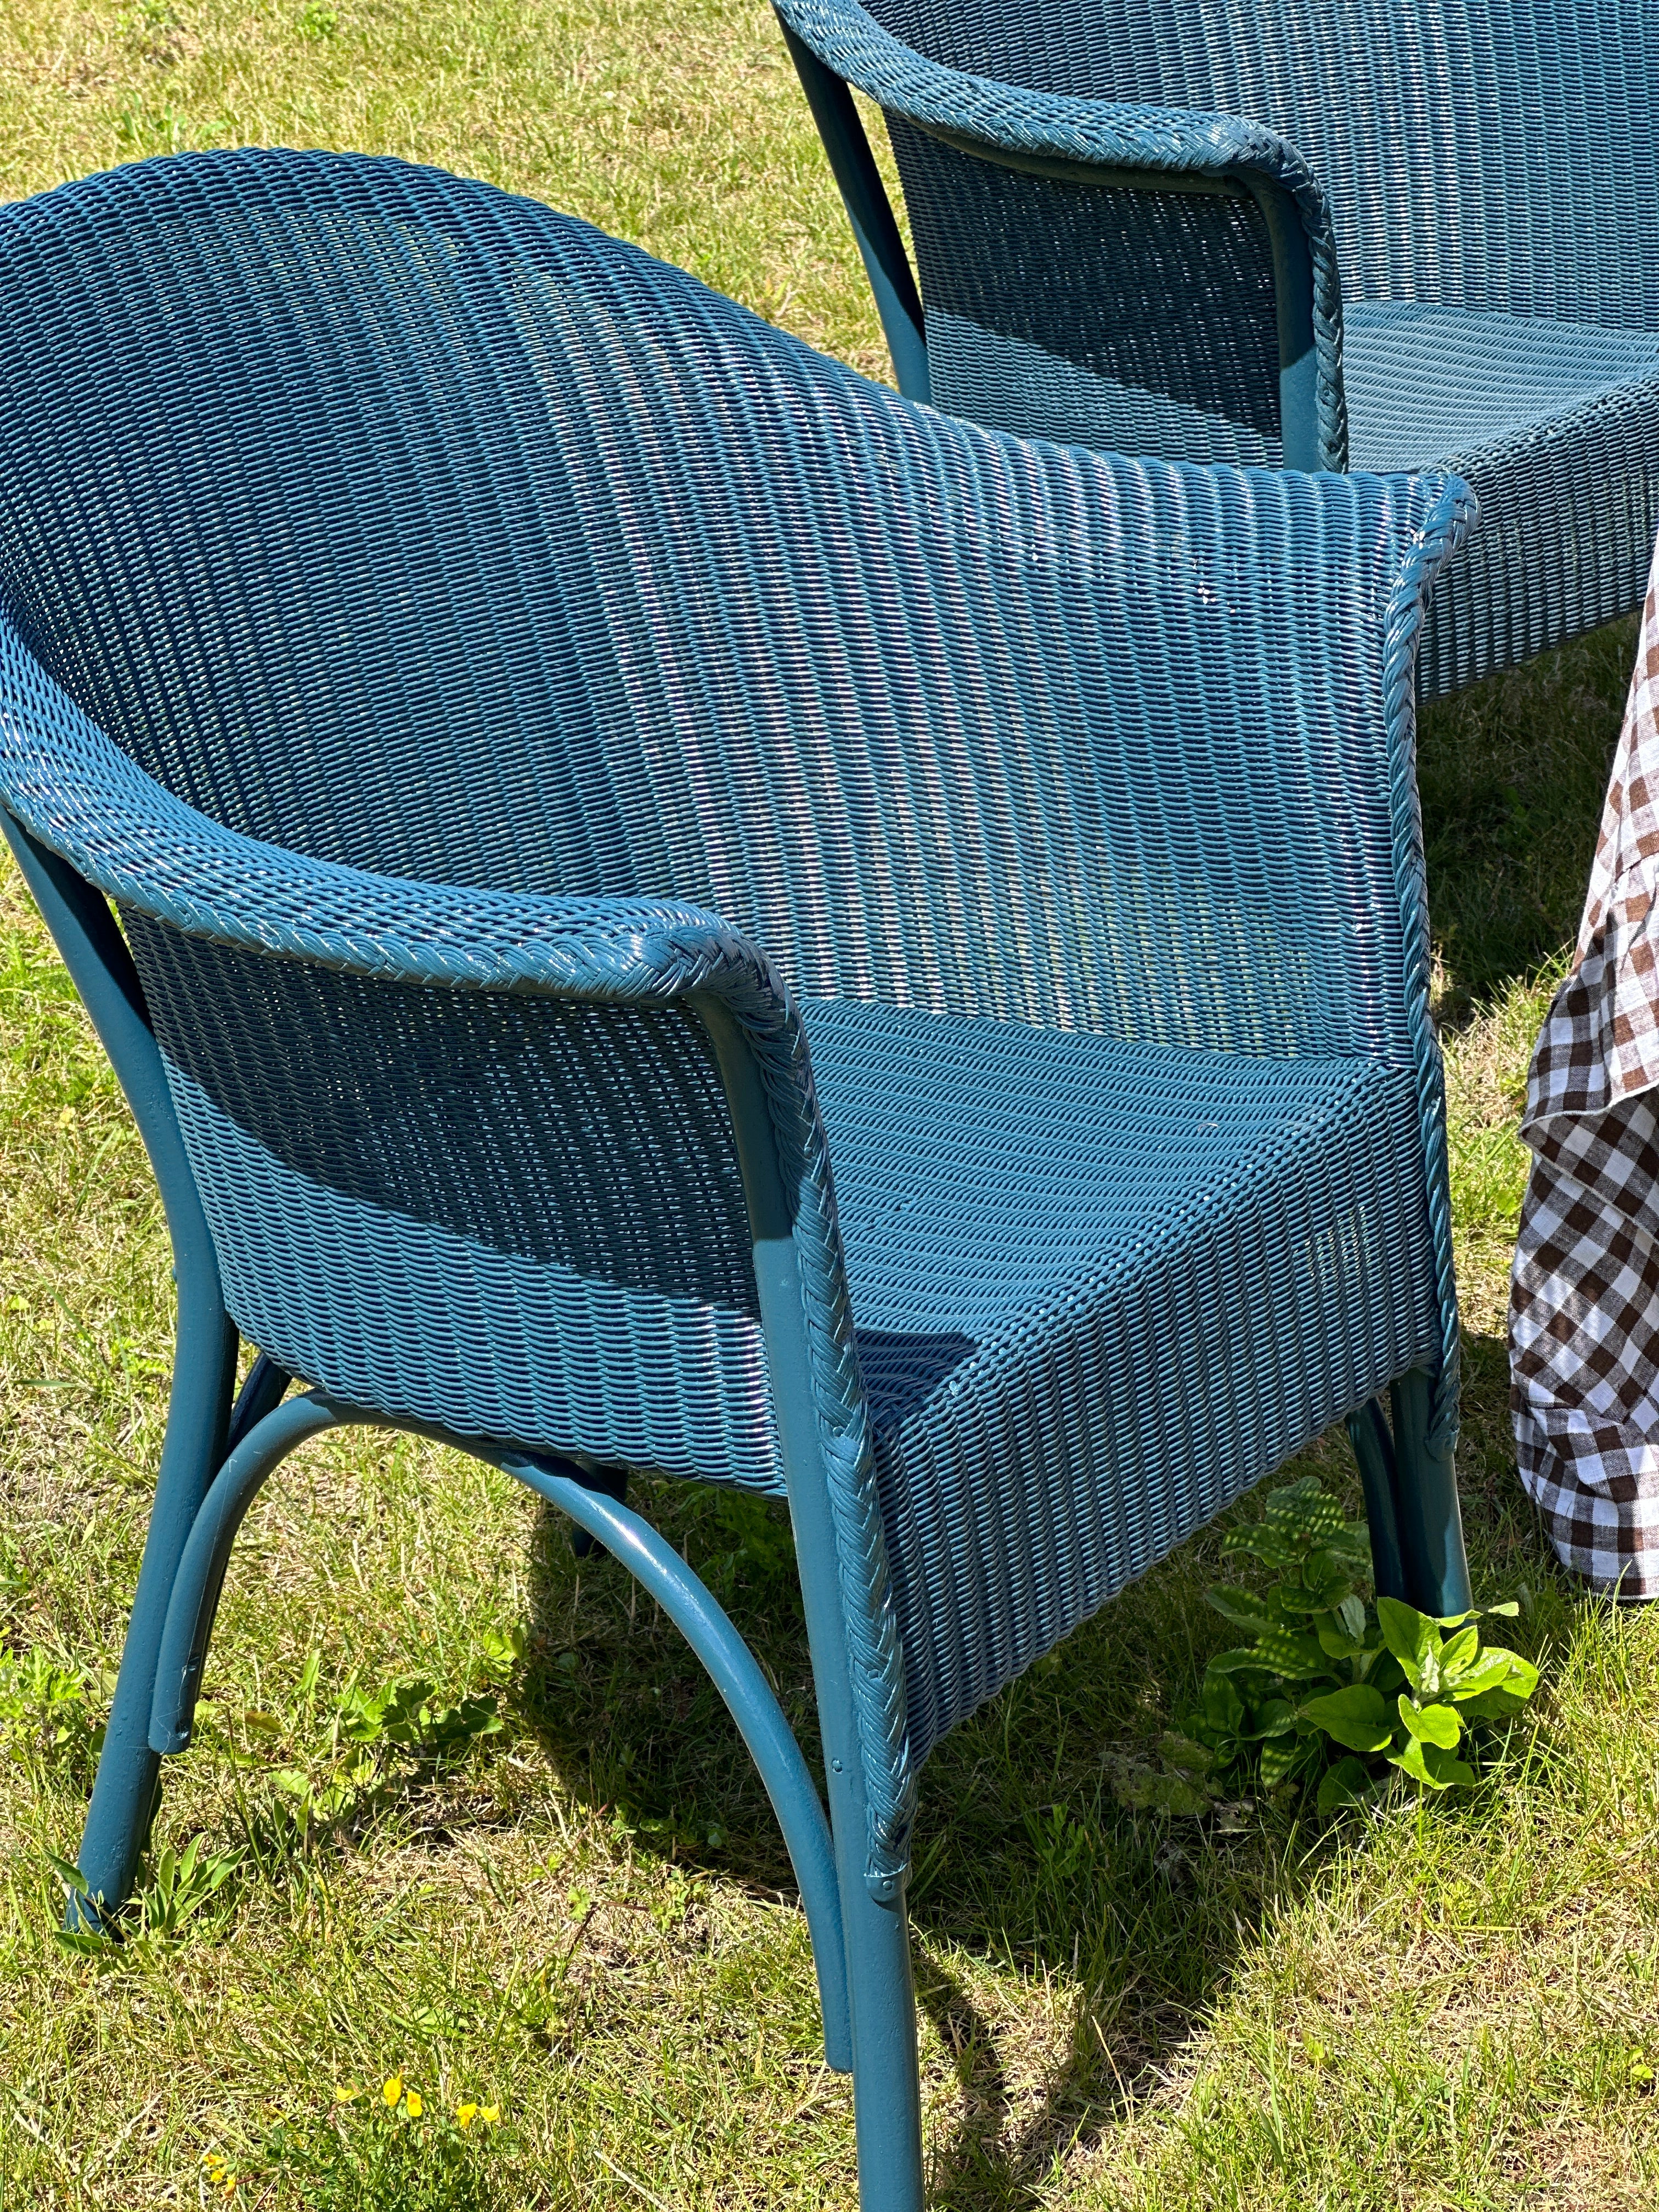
(412, 2105)
(490, 2113)
(230, 2184)
(394, 2089)
(342, 2096)
(466, 2114)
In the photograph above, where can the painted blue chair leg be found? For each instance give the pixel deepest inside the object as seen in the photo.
(1431, 1522)
(124, 1792)
(1373, 1448)
(260, 1395)
(633, 1542)
(735, 1674)
(205, 1360)
(194, 1599)
(886, 2083)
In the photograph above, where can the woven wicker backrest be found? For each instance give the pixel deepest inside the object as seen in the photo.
(409, 525)
(1483, 154)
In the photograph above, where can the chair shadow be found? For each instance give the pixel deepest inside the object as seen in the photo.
(1135, 1923)
(1024, 1856)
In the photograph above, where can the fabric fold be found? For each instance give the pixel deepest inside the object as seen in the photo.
(1584, 1289)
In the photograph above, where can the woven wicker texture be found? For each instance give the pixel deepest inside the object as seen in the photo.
(459, 643)
(1491, 170)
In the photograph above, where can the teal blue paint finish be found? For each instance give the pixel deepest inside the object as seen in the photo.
(124, 1796)
(1430, 1521)
(1373, 1451)
(685, 916)
(265, 1443)
(194, 1599)
(658, 1569)
(874, 231)
(261, 1393)
(1450, 224)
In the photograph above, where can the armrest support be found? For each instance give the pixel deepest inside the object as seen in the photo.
(1103, 144)
(74, 793)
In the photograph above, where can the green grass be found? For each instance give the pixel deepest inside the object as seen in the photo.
(584, 1918)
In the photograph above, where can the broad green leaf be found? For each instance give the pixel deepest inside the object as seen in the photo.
(1351, 1614)
(1346, 1783)
(1305, 1508)
(1243, 1607)
(1284, 1651)
(1273, 1717)
(1428, 1764)
(1324, 1569)
(1490, 1671)
(1267, 1545)
(1381, 1670)
(1333, 1639)
(1299, 1601)
(1223, 1706)
(1497, 1669)
(1243, 1659)
(1510, 1610)
(1414, 1641)
(1500, 1705)
(1280, 1755)
(1458, 1652)
(1522, 1675)
(1357, 1718)
(1438, 1724)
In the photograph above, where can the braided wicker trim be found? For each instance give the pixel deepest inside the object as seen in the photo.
(1446, 525)
(1176, 142)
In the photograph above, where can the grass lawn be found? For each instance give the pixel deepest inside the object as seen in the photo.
(582, 1921)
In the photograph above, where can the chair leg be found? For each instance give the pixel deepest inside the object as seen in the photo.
(128, 1783)
(1431, 1523)
(886, 2082)
(1373, 1448)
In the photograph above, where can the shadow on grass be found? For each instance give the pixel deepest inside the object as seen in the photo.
(1027, 1866)
(1512, 775)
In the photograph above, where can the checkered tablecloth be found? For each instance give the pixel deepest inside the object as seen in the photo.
(1584, 1296)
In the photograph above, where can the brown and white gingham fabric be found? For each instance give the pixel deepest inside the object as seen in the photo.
(1584, 1296)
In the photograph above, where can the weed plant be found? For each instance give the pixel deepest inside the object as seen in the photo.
(488, 1830)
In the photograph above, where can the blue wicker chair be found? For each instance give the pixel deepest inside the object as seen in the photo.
(1386, 235)
(573, 768)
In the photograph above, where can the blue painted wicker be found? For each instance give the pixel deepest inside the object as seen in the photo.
(1093, 219)
(574, 767)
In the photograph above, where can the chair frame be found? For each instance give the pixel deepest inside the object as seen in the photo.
(1313, 431)
(221, 1446)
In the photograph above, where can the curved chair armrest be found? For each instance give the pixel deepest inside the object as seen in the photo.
(77, 794)
(1134, 147)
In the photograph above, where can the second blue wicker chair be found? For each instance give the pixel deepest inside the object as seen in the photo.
(1378, 235)
(680, 915)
